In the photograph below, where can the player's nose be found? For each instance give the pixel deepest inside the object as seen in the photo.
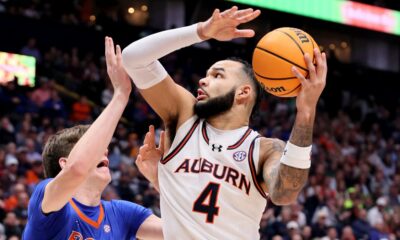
(203, 82)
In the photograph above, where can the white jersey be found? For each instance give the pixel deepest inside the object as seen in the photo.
(208, 184)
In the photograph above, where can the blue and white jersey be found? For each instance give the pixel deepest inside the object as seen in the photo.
(110, 220)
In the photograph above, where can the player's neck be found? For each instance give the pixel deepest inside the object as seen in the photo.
(88, 195)
(233, 119)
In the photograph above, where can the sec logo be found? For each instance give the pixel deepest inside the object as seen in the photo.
(239, 156)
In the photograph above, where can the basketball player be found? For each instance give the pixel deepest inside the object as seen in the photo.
(67, 204)
(216, 173)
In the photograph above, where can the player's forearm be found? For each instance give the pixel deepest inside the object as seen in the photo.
(92, 146)
(146, 50)
(285, 183)
(303, 129)
(140, 57)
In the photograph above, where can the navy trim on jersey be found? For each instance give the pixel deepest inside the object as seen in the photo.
(241, 140)
(181, 144)
(204, 132)
(253, 169)
(231, 147)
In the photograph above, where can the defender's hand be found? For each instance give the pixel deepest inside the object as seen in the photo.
(118, 76)
(149, 155)
(311, 88)
(223, 26)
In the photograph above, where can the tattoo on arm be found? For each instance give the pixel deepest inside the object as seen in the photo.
(283, 182)
(302, 135)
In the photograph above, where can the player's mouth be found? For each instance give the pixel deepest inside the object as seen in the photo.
(201, 94)
(103, 163)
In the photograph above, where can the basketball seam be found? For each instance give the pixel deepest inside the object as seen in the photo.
(287, 60)
(278, 79)
(294, 40)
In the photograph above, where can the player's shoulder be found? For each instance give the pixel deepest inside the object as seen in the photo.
(270, 145)
(125, 209)
(117, 204)
(40, 186)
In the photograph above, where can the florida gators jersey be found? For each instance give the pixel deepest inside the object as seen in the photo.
(111, 220)
(208, 184)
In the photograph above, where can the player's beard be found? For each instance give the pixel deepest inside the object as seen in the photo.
(215, 106)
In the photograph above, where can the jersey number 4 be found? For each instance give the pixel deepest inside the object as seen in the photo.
(207, 202)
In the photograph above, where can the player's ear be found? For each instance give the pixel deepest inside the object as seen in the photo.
(243, 93)
(62, 161)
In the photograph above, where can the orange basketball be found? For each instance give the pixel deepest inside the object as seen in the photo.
(274, 56)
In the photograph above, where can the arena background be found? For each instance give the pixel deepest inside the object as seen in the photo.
(353, 188)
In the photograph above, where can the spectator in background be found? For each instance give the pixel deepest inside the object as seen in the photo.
(12, 225)
(81, 110)
(11, 202)
(347, 234)
(376, 214)
(319, 228)
(360, 225)
(293, 229)
(9, 176)
(306, 232)
(331, 234)
(35, 175)
(54, 107)
(43, 93)
(21, 210)
(32, 152)
(31, 50)
(7, 131)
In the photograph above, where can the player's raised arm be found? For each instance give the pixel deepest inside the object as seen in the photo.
(140, 59)
(285, 168)
(88, 151)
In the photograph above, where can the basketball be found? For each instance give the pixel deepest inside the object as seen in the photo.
(274, 56)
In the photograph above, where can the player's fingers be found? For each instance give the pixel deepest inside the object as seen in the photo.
(107, 51)
(230, 12)
(322, 67)
(318, 61)
(162, 141)
(112, 51)
(249, 17)
(143, 149)
(152, 136)
(243, 12)
(246, 33)
(215, 14)
(323, 55)
(146, 138)
(119, 56)
(299, 76)
(310, 66)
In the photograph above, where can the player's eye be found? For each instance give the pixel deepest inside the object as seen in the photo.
(218, 75)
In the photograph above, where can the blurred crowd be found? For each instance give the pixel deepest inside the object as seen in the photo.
(353, 190)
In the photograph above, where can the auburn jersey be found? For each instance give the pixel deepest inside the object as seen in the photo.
(208, 184)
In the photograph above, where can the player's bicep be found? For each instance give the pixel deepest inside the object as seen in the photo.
(271, 151)
(39, 219)
(59, 190)
(169, 100)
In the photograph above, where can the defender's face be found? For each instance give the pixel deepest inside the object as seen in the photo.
(221, 78)
(100, 176)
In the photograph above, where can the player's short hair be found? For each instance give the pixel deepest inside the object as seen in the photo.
(60, 145)
(248, 70)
